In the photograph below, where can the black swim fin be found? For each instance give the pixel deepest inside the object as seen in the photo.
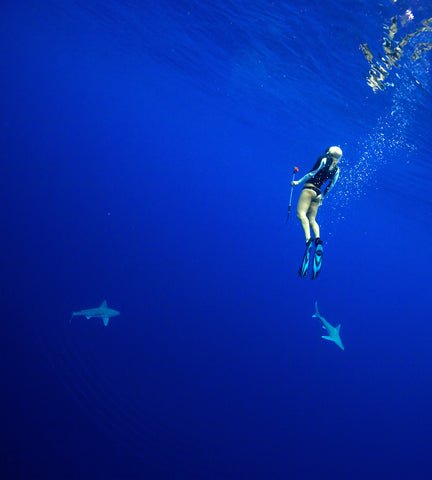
(318, 258)
(305, 263)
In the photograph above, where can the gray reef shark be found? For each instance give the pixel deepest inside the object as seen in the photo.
(333, 332)
(99, 312)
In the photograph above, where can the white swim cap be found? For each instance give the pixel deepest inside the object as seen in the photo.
(335, 152)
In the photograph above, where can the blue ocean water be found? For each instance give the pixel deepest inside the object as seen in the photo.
(147, 151)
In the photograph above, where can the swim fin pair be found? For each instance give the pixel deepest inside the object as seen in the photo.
(317, 258)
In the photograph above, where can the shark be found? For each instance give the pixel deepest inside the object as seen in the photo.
(333, 332)
(99, 312)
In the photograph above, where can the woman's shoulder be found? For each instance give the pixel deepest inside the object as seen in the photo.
(319, 162)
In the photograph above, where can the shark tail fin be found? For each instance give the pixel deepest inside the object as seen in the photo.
(316, 314)
(105, 320)
(73, 315)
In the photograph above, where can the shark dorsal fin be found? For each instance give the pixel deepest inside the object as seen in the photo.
(104, 304)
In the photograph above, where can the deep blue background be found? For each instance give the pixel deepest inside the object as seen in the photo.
(146, 156)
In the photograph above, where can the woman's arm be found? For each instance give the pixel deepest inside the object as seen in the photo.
(332, 184)
(312, 173)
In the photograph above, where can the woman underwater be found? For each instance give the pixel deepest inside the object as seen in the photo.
(325, 170)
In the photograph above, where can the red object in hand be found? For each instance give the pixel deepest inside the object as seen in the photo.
(296, 169)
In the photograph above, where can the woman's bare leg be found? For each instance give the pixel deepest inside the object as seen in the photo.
(303, 206)
(311, 215)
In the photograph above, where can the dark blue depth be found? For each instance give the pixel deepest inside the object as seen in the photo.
(147, 150)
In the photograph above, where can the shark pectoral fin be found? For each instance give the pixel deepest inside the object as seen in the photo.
(338, 328)
(323, 327)
(105, 320)
(88, 318)
(326, 337)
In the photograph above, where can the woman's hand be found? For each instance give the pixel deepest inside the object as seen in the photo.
(294, 184)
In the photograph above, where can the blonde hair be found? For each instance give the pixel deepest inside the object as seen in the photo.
(335, 152)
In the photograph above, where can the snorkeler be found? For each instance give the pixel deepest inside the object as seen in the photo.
(325, 169)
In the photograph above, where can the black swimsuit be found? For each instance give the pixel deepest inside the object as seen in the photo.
(309, 186)
(316, 182)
